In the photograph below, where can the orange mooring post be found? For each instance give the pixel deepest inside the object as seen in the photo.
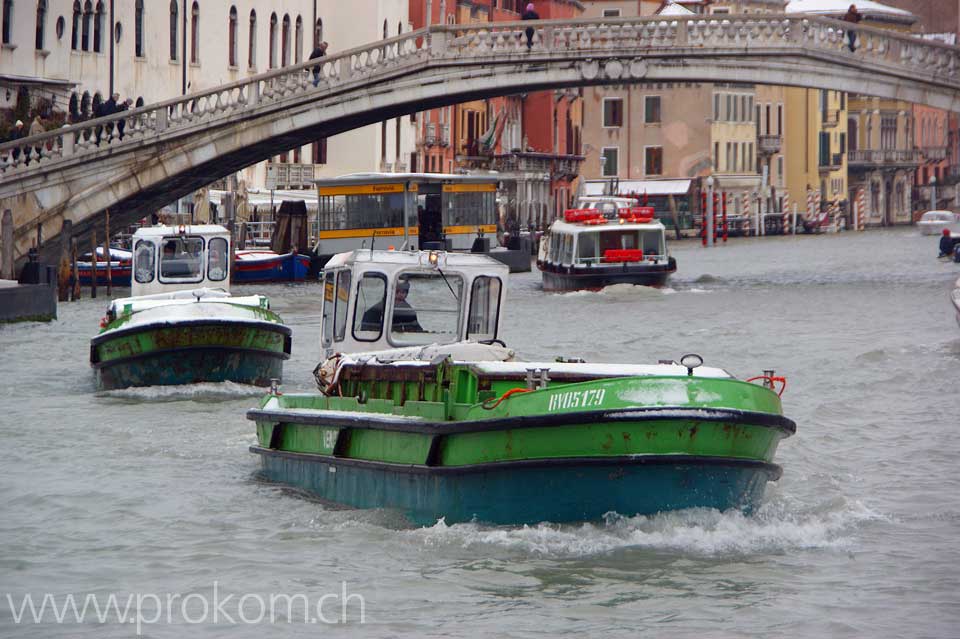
(724, 216)
(93, 263)
(703, 223)
(106, 251)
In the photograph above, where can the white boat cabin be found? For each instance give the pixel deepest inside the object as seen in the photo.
(605, 234)
(176, 258)
(376, 300)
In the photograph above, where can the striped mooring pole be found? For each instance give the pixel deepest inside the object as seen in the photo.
(861, 209)
(785, 209)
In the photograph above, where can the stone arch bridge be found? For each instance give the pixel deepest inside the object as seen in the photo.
(172, 148)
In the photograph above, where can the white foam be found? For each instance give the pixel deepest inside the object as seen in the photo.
(775, 528)
(201, 391)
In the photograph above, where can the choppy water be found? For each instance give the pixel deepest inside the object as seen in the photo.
(153, 491)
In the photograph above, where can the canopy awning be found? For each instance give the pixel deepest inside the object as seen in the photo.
(650, 187)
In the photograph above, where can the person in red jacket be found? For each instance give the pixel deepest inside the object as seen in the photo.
(853, 16)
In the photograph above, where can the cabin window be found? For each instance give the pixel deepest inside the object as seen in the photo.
(650, 243)
(343, 297)
(143, 261)
(484, 307)
(426, 308)
(469, 208)
(362, 210)
(566, 250)
(181, 260)
(327, 312)
(616, 240)
(368, 313)
(217, 259)
(587, 247)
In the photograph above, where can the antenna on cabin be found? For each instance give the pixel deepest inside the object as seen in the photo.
(373, 239)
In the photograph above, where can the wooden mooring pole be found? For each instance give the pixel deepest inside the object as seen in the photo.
(74, 274)
(63, 267)
(93, 263)
(106, 251)
(6, 245)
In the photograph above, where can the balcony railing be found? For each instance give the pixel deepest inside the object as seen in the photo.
(290, 176)
(884, 157)
(431, 137)
(934, 153)
(445, 135)
(768, 144)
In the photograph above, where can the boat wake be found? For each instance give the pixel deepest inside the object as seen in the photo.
(774, 528)
(206, 391)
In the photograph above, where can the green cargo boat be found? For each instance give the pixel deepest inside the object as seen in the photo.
(462, 431)
(182, 326)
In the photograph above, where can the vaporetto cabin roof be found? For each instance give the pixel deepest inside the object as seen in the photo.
(205, 230)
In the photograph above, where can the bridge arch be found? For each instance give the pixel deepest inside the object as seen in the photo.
(174, 147)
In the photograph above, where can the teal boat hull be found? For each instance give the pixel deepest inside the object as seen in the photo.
(530, 491)
(192, 366)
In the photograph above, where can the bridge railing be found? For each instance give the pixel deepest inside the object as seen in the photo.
(633, 38)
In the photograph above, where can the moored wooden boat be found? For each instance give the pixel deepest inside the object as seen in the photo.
(260, 265)
(176, 328)
(462, 431)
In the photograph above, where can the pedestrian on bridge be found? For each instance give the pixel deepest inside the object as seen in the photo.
(317, 53)
(853, 16)
(530, 14)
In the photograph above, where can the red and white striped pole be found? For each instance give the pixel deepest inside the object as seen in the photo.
(818, 215)
(810, 212)
(785, 206)
(861, 209)
(746, 213)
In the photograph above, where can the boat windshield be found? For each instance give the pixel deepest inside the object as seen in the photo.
(180, 259)
(426, 308)
(591, 247)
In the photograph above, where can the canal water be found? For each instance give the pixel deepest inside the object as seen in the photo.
(152, 492)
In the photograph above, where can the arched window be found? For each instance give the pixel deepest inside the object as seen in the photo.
(74, 107)
(98, 27)
(252, 46)
(852, 141)
(87, 23)
(232, 38)
(399, 28)
(7, 21)
(298, 41)
(195, 33)
(85, 105)
(174, 39)
(139, 103)
(385, 34)
(138, 28)
(97, 104)
(285, 42)
(318, 33)
(75, 34)
(41, 22)
(273, 40)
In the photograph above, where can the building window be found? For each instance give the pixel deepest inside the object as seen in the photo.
(195, 34)
(8, 21)
(318, 33)
(383, 141)
(252, 45)
(174, 39)
(285, 41)
(716, 156)
(651, 109)
(75, 33)
(716, 107)
(232, 38)
(138, 29)
(98, 29)
(780, 170)
(888, 132)
(41, 23)
(727, 115)
(653, 160)
(779, 119)
(273, 40)
(612, 112)
(610, 160)
(298, 41)
(611, 13)
(87, 23)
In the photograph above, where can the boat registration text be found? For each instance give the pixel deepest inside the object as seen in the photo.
(576, 399)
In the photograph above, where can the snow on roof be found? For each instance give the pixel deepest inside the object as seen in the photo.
(188, 229)
(674, 9)
(840, 6)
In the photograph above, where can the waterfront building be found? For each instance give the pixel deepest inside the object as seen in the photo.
(64, 57)
(880, 154)
(688, 130)
(531, 139)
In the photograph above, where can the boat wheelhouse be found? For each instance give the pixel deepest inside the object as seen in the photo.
(463, 431)
(605, 243)
(181, 325)
(376, 300)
